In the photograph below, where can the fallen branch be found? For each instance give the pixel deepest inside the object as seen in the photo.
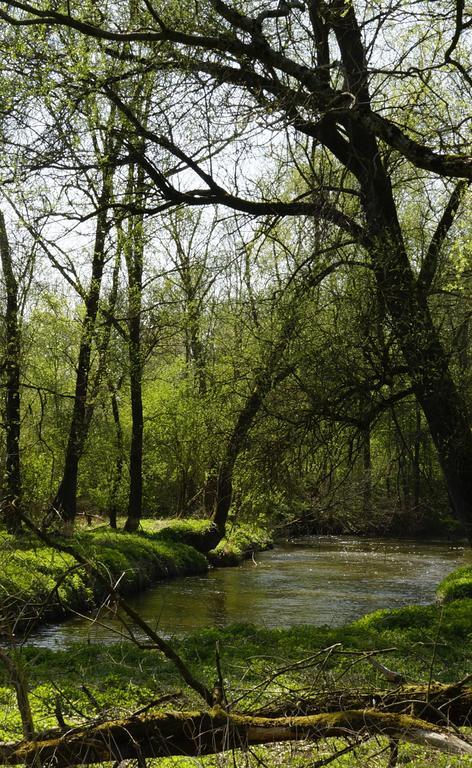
(205, 733)
(158, 642)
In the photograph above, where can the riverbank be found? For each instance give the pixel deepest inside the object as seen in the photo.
(39, 584)
(260, 667)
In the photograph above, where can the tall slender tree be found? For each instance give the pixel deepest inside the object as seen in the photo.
(65, 500)
(11, 365)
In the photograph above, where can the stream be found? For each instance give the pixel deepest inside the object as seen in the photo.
(311, 580)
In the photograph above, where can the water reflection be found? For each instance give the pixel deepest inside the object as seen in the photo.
(313, 580)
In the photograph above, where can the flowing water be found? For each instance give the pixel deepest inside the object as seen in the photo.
(312, 580)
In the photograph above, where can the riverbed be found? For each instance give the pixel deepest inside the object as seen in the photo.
(311, 580)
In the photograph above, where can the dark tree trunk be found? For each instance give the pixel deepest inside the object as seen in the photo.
(417, 458)
(194, 734)
(135, 500)
(102, 341)
(118, 474)
(12, 498)
(224, 484)
(367, 474)
(444, 408)
(133, 248)
(65, 501)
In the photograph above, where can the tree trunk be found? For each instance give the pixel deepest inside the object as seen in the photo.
(118, 474)
(442, 405)
(65, 501)
(367, 474)
(417, 459)
(224, 484)
(444, 408)
(135, 500)
(12, 498)
(133, 249)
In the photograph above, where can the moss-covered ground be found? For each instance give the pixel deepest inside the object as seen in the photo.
(456, 585)
(240, 543)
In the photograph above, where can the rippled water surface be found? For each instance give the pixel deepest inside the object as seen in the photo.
(313, 580)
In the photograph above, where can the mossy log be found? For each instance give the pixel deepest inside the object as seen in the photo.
(436, 703)
(204, 733)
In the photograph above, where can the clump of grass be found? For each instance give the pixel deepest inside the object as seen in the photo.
(456, 585)
(240, 542)
(194, 533)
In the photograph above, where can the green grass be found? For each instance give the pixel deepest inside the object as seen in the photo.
(456, 585)
(187, 531)
(241, 539)
(37, 583)
(429, 642)
(239, 543)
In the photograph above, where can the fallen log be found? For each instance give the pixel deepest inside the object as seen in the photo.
(435, 703)
(204, 733)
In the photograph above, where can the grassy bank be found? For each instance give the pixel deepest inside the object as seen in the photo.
(456, 585)
(422, 643)
(241, 541)
(240, 544)
(39, 584)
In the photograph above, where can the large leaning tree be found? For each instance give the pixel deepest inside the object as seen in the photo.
(373, 96)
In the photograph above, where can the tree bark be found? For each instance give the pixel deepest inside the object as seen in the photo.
(442, 404)
(224, 483)
(417, 459)
(12, 498)
(436, 703)
(118, 474)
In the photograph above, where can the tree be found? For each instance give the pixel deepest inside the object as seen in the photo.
(11, 364)
(323, 72)
(133, 249)
(65, 500)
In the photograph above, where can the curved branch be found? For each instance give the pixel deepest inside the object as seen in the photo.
(215, 194)
(258, 49)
